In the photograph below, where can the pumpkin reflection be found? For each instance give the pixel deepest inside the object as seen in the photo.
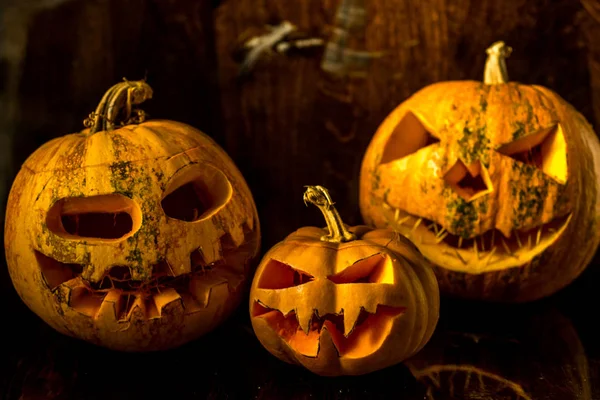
(504, 355)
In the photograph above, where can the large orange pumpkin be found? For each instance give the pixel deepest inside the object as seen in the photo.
(496, 182)
(343, 301)
(135, 235)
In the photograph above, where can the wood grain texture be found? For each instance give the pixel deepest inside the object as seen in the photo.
(590, 21)
(292, 124)
(79, 49)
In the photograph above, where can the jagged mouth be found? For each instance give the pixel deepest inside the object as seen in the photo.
(489, 251)
(191, 292)
(365, 337)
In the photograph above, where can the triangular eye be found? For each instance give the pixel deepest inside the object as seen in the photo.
(545, 150)
(408, 137)
(278, 275)
(469, 182)
(374, 269)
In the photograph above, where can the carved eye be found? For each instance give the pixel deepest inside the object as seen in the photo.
(196, 193)
(546, 150)
(374, 269)
(112, 216)
(409, 136)
(469, 182)
(278, 275)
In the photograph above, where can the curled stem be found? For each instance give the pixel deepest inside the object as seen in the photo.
(319, 196)
(117, 106)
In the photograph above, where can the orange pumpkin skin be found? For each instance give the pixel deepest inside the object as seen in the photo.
(366, 304)
(451, 169)
(165, 269)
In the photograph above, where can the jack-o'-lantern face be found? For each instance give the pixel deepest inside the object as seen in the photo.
(344, 308)
(486, 179)
(138, 238)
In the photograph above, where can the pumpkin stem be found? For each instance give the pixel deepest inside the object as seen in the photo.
(319, 196)
(495, 65)
(116, 106)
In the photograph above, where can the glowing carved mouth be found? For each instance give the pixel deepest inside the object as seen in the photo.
(367, 335)
(487, 252)
(191, 292)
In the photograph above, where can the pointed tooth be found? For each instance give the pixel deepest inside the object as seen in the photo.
(482, 243)
(441, 232)
(416, 225)
(539, 236)
(432, 227)
(506, 248)
(304, 319)
(138, 308)
(200, 291)
(327, 347)
(396, 214)
(110, 305)
(490, 255)
(167, 300)
(518, 239)
(475, 249)
(529, 241)
(460, 241)
(200, 287)
(85, 301)
(441, 238)
(219, 292)
(460, 257)
(403, 220)
(350, 318)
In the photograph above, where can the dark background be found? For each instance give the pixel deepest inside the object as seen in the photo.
(287, 125)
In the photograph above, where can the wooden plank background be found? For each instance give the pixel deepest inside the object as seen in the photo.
(290, 123)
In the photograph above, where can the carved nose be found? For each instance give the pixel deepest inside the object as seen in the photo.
(469, 181)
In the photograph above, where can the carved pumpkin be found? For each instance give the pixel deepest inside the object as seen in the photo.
(495, 182)
(346, 302)
(135, 237)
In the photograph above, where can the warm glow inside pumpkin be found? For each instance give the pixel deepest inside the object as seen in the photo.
(495, 182)
(344, 303)
(135, 237)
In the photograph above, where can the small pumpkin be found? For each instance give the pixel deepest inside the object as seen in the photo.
(131, 234)
(496, 182)
(343, 301)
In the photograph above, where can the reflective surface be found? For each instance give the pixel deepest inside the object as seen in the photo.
(544, 350)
